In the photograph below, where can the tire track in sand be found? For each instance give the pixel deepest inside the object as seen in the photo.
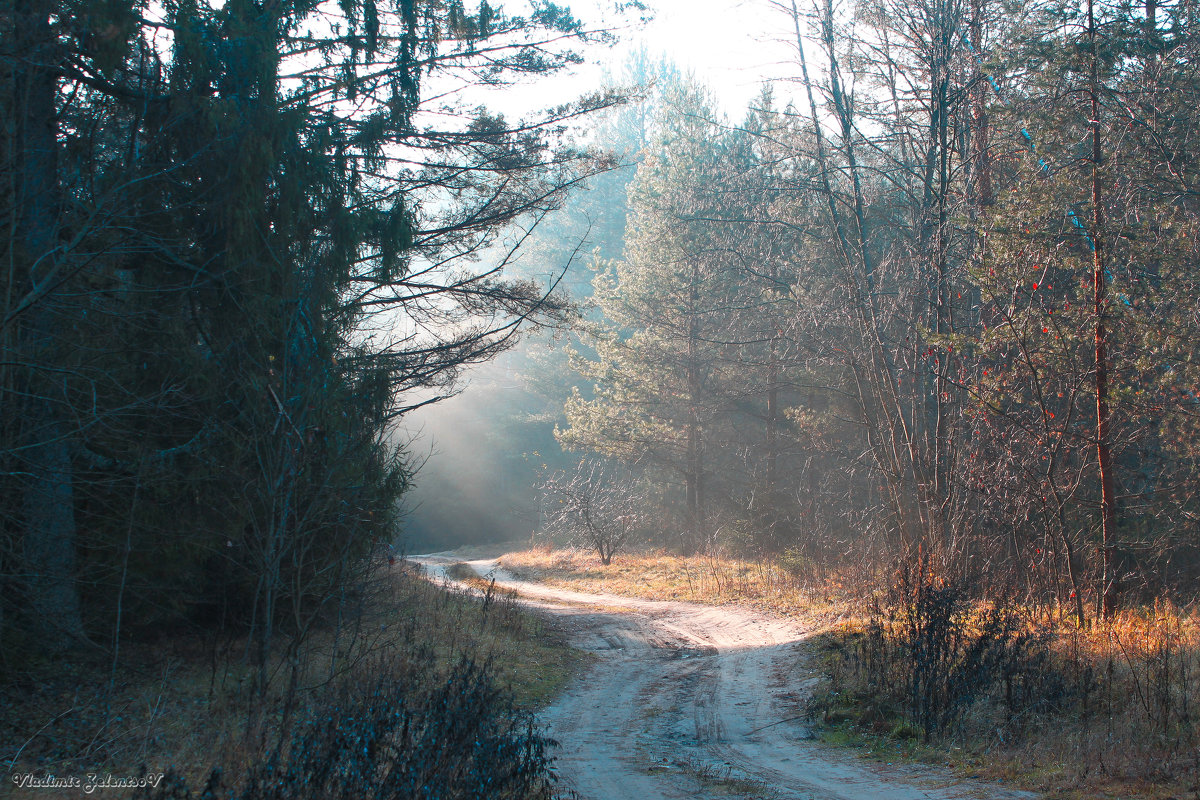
(688, 701)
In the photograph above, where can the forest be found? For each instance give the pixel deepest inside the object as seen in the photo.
(939, 301)
(921, 319)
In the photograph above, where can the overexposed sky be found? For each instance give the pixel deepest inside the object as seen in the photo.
(730, 45)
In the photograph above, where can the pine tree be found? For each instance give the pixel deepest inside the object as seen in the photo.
(667, 309)
(266, 255)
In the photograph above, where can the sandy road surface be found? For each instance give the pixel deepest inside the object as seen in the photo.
(689, 701)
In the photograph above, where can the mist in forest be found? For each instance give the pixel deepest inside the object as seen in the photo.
(480, 456)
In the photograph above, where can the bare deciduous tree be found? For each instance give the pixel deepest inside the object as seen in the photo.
(593, 506)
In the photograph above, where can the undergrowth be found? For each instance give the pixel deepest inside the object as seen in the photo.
(407, 649)
(1016, 692)
(399, 735)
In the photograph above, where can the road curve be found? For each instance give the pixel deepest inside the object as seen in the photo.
(688, 701)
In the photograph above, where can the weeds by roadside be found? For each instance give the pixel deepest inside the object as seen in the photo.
(399, 735)
(184, 703)
(530, 658)
(1014, 692)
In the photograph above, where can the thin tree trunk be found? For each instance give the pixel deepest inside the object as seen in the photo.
(695, 443)
(1108, 505)
(772, 421)
(981, 155)
(897, 455)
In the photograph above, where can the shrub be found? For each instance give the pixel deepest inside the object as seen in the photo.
(931, 653)
(456, 740)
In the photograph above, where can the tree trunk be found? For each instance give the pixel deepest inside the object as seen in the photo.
(48, 496)
(695, 441)
(1108, 504)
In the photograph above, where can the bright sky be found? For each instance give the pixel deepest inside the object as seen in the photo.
(731, 45)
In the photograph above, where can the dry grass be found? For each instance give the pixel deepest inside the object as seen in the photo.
(714, 580)
(1111, 715)
(529, 654)
(185, 702)
(1129, 725)
(1121, 720)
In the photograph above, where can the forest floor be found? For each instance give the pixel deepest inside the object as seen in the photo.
(687, 699)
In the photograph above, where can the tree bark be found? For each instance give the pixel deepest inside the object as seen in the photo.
(48, 506)
(1108, 505)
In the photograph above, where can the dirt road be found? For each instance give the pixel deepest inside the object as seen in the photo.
(688, 701)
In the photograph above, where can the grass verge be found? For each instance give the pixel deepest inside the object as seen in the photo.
(530, 655)
(657, 575)
(185, 703)
(1103, 712)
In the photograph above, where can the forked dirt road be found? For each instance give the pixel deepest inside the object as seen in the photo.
(693, 701)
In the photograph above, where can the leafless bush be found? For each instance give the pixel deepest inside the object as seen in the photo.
(595, 506)
(930, 653)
